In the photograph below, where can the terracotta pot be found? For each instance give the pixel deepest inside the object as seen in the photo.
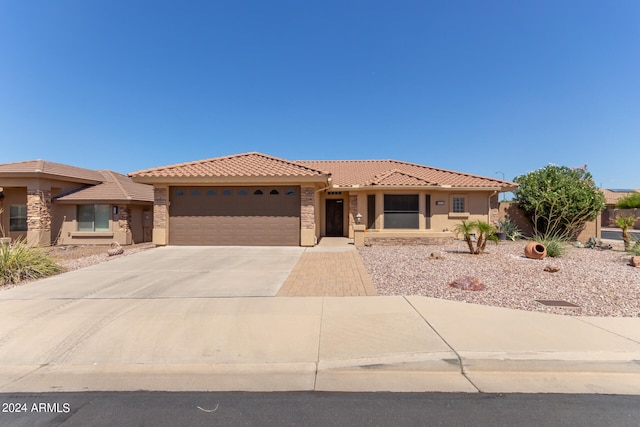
(535, 250)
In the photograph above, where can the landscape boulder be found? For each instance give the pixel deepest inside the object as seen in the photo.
(552, 268)
(467, 283)
(635, 261)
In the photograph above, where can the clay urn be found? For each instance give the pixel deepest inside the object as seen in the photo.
(535, 250)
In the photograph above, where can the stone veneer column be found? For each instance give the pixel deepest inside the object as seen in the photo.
(494, 209)
(38, 217)
(160, 216)
(353, 211)
(307, 216)
(124, 225)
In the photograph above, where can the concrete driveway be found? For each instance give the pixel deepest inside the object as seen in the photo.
(173, 272)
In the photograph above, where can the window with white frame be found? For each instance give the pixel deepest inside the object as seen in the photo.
(93, 217)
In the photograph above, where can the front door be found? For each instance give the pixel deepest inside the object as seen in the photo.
(335, 217)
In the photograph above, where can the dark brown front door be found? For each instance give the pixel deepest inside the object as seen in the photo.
(335, 218)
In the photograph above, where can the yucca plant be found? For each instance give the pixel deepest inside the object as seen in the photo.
(483, 232)
(625, 222)
(555, 245)
(20, 261)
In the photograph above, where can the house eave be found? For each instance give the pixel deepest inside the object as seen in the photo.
(237, 180)
(418, 188)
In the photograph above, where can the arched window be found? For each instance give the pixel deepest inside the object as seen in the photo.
(274, 192)
(258, 192)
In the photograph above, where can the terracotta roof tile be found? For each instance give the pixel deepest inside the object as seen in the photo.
(115, 188)
(46, 168)
(395, 177)
(612, 197)
(238, 165)
(369, 172)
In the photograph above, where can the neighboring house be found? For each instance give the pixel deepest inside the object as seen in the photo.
(256, 199)
(612, 197)
(52, 203)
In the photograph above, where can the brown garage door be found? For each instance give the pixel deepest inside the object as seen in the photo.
(247, 216)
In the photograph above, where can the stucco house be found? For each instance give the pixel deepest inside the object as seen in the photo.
(52, 203)
(257, 199)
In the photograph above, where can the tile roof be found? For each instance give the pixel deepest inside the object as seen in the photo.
(612, 197)
(397, 173)
(115, 188)
(50, 169)
(237, 165)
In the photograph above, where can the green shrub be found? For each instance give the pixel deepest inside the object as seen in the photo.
(483, 232)
(630, 202)
(555, 245)
(635, 249)
(559, 200)
(19, 262)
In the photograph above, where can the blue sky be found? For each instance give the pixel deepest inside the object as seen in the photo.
(485, 87)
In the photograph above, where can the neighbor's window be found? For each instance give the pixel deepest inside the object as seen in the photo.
(458, 205)
(401, 211)
(18, 218)
(93, 217)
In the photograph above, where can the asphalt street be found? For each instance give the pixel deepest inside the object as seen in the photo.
(317, 409)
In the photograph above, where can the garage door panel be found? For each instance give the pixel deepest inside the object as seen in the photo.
(236, 216)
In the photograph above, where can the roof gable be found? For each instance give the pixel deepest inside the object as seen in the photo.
(114, 188)
(396, 177)
(359, 173)
(239, 165)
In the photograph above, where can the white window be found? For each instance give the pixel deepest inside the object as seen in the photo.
(93, 217)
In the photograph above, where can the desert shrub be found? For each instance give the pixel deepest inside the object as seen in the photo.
(625, 222)
(483, 231)
(559, 200)
(630, 202)
(20, 261)
(555, 245)
(635, 248)
(509, 228)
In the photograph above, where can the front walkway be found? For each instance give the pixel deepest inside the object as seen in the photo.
(330, 269)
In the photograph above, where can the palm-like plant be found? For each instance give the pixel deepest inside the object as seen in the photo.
(625, 222)
(483, 231)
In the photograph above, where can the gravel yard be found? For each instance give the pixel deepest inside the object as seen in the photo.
(79, 256)
(600, 282)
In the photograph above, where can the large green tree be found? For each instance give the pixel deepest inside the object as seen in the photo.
(559, 200)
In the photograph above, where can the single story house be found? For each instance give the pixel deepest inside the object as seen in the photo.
(257, 199)
(52, 203)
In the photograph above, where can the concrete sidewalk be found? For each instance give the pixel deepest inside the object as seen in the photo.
(309, 343)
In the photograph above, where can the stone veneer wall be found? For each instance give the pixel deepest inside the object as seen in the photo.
(353, 209)
(124, 218)
(38, 210)
(307, 208)
(494, 210)
(399, 241)
(160, 208)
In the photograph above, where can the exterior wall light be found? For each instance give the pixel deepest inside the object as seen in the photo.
(358, 218)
